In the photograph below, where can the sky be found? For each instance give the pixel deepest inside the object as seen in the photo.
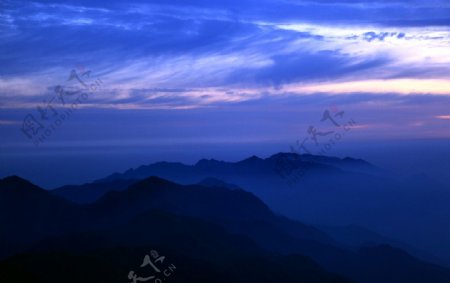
(178, 80)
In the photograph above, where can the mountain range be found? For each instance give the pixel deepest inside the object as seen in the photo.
(212, 229)
(327, 191)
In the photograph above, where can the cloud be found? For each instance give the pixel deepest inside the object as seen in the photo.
(217, 53)
(443, 117)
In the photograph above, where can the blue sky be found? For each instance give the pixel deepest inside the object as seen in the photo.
(239, 72)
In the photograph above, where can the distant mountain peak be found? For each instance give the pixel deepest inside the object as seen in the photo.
(16, 182)
(154, 181)
(207, 162)
(252, 159)
(284, 155)
(13, 179)
(320, 158)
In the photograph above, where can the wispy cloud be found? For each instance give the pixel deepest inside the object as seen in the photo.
(187, 55)
(443, 117)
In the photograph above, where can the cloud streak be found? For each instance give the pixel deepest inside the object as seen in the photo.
(198, 54)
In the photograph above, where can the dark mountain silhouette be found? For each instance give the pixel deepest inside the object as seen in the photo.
(223, 229)
(29, 213)
(122, 221)
(235, 209)
(201, 252)
(329, 191)
(90, 192)
(254, 165)
(250, 170)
